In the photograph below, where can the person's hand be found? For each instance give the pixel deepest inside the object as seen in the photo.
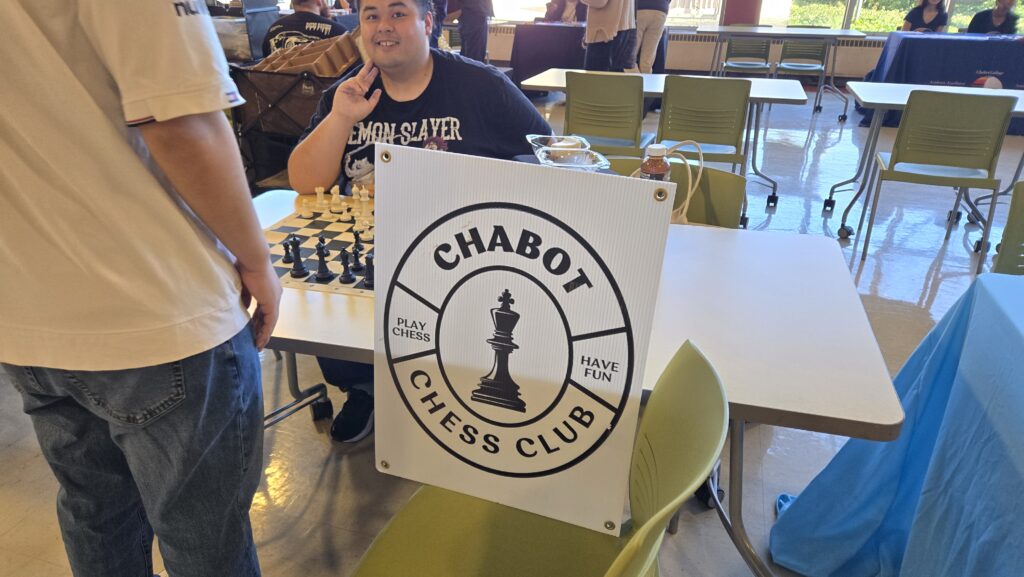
(350, 100)
(263, 286)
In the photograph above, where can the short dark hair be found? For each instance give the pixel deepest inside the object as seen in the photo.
(424, 6)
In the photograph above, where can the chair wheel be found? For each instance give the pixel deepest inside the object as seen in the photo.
(743, 221)
(978, 247)
(845, 231)
(842, 118)
(830, 203)
(703, 494)
(322, 410)
(773, 200)
(817, 108)
(954, 216)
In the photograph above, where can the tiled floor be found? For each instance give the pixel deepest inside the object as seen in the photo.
(321, 503)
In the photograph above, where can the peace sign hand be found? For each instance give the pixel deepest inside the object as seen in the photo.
(350, 101)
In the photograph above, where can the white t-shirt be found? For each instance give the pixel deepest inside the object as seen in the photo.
(101, 266)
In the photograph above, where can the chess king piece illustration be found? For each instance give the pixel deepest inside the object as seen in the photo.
(497, 387)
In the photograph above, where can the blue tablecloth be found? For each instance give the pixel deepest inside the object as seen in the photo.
(951, 60)
(946, 499)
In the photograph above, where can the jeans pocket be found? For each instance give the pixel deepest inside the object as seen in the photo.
(131, 396)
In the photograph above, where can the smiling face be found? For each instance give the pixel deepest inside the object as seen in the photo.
(396, 33)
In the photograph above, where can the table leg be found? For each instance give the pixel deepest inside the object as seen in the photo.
(830, 86)
(865, 160)
(978, 218)
(733, 520)
(773, 198)
(716, 55)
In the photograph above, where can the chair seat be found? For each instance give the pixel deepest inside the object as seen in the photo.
(483, 538)
(798, 67)
(932, 170)
(706, 148)
(746, 65)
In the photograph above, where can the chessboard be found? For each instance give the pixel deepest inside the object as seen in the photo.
(338, 228)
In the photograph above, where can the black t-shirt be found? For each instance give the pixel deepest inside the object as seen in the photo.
(299, 28)
(916, 19)
(982, 23)
(467, 107)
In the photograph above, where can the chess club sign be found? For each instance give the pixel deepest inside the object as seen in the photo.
(511, 331)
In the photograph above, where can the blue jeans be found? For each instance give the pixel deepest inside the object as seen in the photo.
(174, 448)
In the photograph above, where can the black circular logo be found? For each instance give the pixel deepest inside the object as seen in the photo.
(508, 340)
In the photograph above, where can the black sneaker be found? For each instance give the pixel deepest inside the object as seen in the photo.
(355, 419)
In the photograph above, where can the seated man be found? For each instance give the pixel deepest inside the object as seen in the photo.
(998, 20)
(411, 95)
(308, 24)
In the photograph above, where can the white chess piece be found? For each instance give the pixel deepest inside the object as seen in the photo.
(321, 203)
(336, 205)
(306, 211)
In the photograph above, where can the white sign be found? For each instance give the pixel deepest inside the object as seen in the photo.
(513, 309)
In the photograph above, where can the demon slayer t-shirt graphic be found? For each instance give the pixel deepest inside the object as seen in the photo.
(467, 108)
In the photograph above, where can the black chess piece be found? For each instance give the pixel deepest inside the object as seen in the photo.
(323, 274)
(287, 259)
(357, 266)
(497, 387)
(346, 274)
(359, 241)
(323, 242)
(368, 275)
(298, 267)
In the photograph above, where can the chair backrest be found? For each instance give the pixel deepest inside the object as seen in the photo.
(708, 110)
(718, 200)
(749, 48)
(1011, 252)
(962, 130)
(804, 50)
(604, 104)
(681, 435)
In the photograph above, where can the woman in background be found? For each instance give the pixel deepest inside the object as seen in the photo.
(928, 16)
(998, 20)
(565, 11)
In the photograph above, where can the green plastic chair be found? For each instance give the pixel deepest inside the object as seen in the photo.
(747, 56)
(710, 111)
(607, 109)
(718, 200)
(1011, 251)
(440, 533)
(947, 140)
(804, 58)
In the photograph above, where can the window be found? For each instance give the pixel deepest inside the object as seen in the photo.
(694, 12)
(881, 15)
(803, 13)
(519, 10)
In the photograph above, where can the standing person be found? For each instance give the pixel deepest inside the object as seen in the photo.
(650, 24)
(411, 95)
(610, 35)
(473, 28)
(565, 11)
(440, 13)
(928, 16)
(310, 22)
(130, 249)
(998, 20)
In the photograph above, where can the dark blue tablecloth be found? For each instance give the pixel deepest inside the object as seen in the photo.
(952, 60)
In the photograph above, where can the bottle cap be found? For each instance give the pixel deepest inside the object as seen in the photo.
(656, 150)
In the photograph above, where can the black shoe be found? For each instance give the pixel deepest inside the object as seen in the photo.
(355, 419)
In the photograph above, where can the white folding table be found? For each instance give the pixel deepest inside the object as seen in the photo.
(775, 362)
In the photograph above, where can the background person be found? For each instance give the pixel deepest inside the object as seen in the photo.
(928, 16)
(565, 11)
(998, 20)
(310, 22)
(610, 35)
(650, 23)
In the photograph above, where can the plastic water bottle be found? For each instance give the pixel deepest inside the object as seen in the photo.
(655, 166)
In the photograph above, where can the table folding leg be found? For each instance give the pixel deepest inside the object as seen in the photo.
(773, 198)
(314, 397)
(733, 519)
(863, 170)
(830, 85)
